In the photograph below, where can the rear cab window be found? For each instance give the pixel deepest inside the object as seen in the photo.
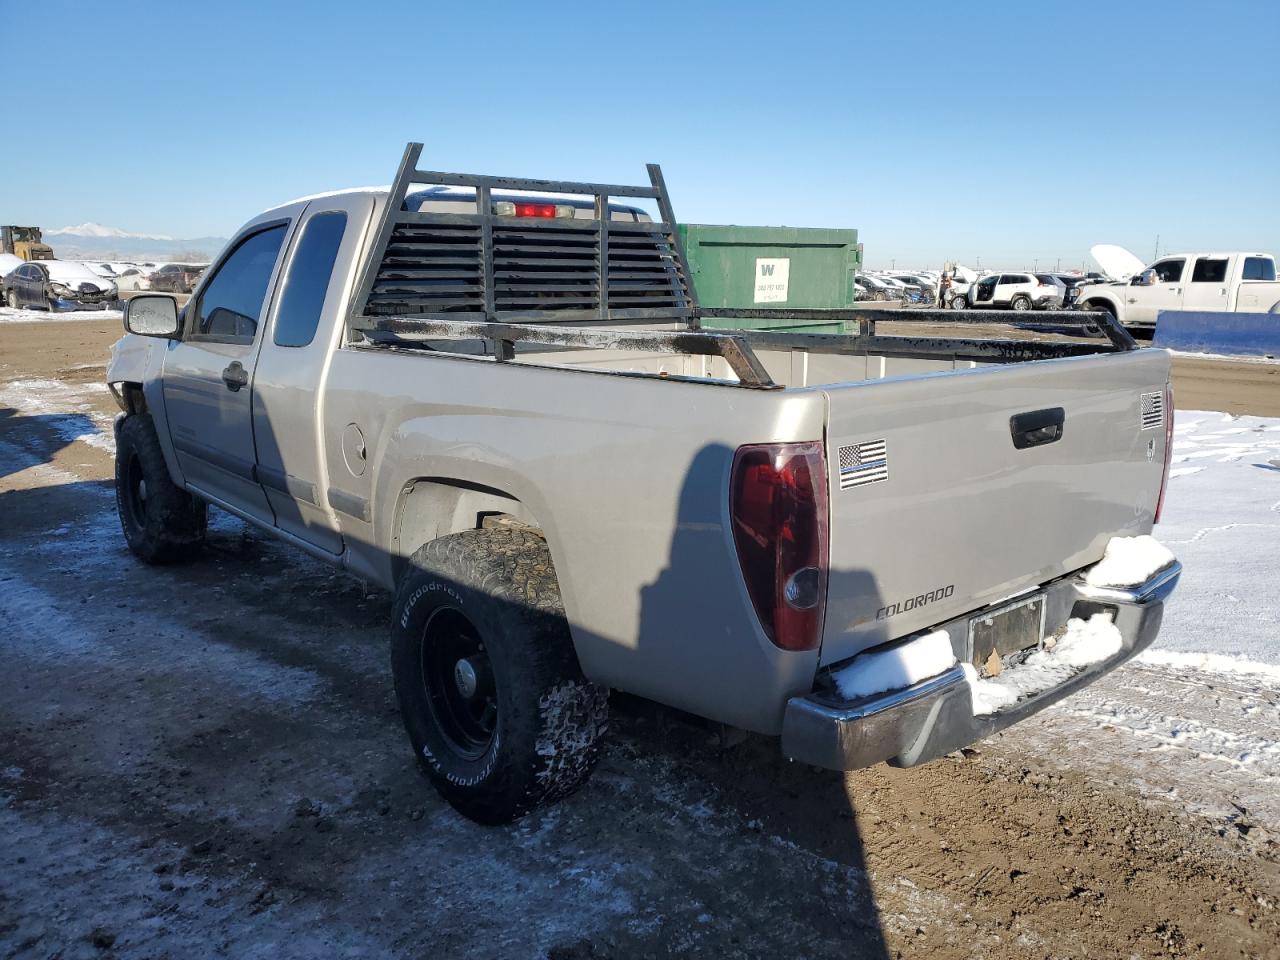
(307, 282)
(1259, 268)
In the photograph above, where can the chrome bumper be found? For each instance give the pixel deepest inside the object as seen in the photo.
(935, 717)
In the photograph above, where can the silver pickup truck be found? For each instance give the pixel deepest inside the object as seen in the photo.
(493, 396)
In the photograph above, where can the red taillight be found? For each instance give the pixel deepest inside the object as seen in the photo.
(778, 507)
(535, 210)
(1168, 447)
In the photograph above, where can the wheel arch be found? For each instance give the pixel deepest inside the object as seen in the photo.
(430, 507)
(129, 396)
(1101, 303)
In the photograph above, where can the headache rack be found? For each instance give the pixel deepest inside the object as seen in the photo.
(575, 282)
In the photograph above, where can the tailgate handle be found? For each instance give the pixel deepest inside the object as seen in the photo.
(1036, 427)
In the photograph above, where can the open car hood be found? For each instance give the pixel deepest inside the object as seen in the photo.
(1116, 262)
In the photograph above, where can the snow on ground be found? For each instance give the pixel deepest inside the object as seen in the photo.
(1195, 718)
(66, 407)
(1223, 523)
(9, 315)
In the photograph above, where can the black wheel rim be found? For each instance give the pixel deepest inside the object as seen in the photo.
(457, 678)
(135, 488)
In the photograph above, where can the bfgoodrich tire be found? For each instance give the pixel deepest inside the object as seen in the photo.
(497, 710)
(161, 521)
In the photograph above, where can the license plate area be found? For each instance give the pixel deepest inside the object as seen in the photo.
(1008, 629)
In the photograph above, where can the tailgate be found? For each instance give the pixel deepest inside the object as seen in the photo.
(933, 509)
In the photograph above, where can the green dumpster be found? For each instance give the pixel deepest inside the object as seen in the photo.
(791, 268)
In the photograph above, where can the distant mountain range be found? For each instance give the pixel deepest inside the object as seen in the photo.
(92, 241)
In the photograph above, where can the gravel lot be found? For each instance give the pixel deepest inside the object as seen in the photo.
(208, 761)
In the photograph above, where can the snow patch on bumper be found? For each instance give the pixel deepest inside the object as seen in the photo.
(1129, 561)
(897, 667)
(1085, 642)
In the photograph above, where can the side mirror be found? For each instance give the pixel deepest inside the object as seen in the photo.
(1147, 278)
(152, 315)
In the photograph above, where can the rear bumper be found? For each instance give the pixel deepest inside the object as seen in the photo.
(935, 717)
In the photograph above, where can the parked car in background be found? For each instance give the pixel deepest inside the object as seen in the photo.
(1017, 291)
(869, 288)
(134, 278)
(176, 277)
(103, 270)
(902, 290)
(57, 285)
(928, 289)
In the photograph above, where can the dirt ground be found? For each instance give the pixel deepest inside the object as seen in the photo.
(1233, 386)
(207, 761)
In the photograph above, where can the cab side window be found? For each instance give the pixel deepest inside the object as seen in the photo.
(1169, 271)
(308, 279)
(1209, 271)
(231, 303)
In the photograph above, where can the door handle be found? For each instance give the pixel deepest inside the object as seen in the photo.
(235, 376)
(1037, 427)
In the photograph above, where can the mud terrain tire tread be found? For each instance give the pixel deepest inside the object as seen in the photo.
(550, 718)
(176, 522)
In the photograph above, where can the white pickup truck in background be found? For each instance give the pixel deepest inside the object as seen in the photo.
(1207, 282)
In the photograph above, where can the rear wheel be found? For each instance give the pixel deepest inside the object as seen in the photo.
(161, 521)
(1021, 303)
(497, 710)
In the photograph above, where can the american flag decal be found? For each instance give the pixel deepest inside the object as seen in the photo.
(863, 463)
(1152, 410)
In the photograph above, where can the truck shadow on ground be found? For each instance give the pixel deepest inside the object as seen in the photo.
(792, 803)
(721, 846)
(52, 433)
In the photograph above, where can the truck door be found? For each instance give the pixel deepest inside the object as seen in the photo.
(208, 374)
(1210, 285)
(1142, 304)
(288, 385)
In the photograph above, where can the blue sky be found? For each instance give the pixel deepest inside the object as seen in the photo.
(1006, 131)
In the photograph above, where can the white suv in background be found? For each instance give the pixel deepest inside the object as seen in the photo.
(1018, 291)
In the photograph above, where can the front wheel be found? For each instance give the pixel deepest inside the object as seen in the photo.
(161, 521)
(957, 302)
(12, 299)
(497, 710)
